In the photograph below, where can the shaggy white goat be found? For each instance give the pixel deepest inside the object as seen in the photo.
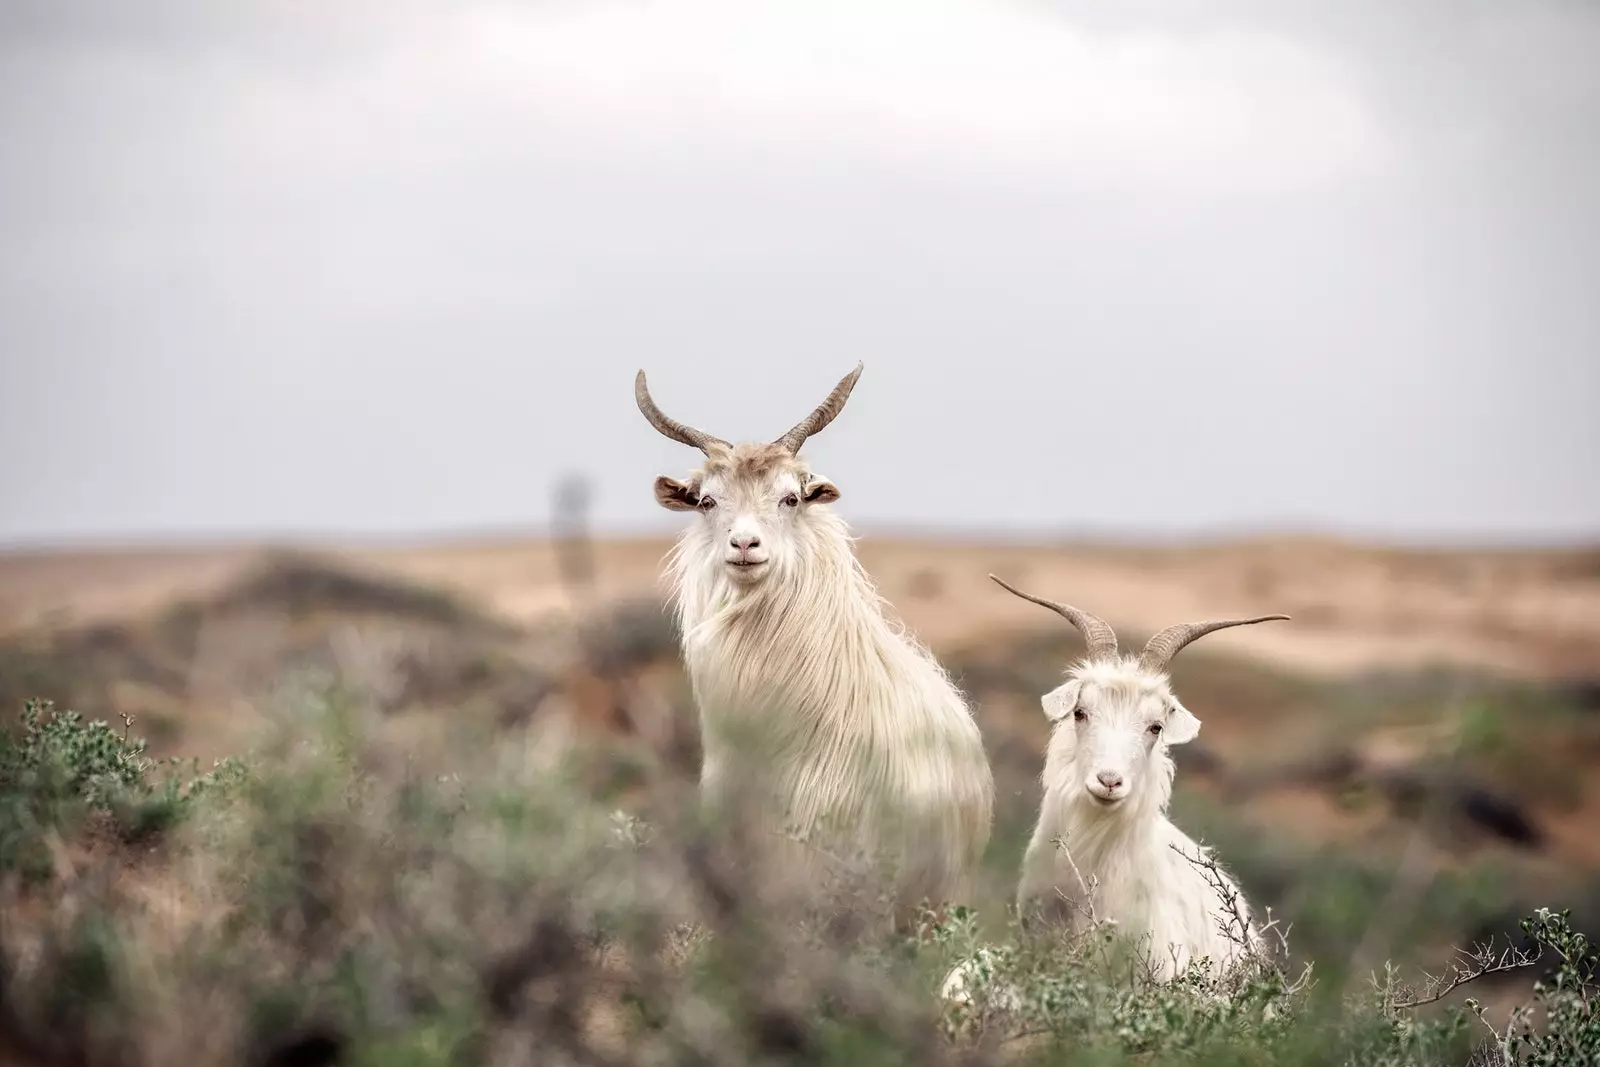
(1107, 781)
(803, 680)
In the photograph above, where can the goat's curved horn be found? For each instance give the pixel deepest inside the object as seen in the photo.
(670, 427)
(1164, 645)
(826, 412)
(1097, 633)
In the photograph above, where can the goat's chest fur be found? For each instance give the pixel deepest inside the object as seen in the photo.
(1139, 870)
(855, 735)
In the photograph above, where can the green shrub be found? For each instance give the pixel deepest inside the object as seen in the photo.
(1567, 998)
(60, 772)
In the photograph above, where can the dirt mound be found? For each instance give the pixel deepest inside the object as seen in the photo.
(406, 646)
(301, 585)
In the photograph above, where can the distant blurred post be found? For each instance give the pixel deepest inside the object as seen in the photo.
(575, 554)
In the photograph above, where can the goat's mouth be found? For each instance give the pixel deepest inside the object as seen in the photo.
(746, 568)
(1106, 801)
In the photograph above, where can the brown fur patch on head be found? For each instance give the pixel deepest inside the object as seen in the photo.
(752, 460)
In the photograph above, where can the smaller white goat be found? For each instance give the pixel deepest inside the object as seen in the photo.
(1103, 847)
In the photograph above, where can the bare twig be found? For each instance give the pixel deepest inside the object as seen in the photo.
(1468, 966)
(1261, 948)
(1234, 921)
(1089, 887)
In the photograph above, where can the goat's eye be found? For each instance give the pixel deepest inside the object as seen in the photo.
(1079, 715)
(706, 503)
(790, 501)
(1155, 729)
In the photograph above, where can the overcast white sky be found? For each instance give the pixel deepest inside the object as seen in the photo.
(1155, 267)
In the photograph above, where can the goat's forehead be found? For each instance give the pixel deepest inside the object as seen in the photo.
(751, 465)
(1121, 684)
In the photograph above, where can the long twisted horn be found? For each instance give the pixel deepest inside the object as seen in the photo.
(1097, 633)
(825, 413)
(1164, 645)
(671, 427)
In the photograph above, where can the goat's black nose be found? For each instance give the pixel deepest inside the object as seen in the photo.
(744, 542)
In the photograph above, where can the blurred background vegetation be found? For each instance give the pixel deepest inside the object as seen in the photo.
(423, 752)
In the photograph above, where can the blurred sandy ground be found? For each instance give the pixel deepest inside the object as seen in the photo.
(1528, 613)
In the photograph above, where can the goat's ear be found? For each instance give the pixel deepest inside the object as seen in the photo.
(1182, 727)
(675, 495)
(1060, 702)
(820, 490)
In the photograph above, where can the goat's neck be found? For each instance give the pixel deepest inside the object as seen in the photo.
(1121, 845)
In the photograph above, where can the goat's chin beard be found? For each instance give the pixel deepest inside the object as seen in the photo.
(1101, 803)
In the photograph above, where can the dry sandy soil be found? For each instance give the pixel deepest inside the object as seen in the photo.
(1525, 613)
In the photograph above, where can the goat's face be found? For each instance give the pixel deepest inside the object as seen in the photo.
(753, 501)
(1112, 725)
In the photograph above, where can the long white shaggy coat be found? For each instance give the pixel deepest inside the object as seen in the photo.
(802, 679)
